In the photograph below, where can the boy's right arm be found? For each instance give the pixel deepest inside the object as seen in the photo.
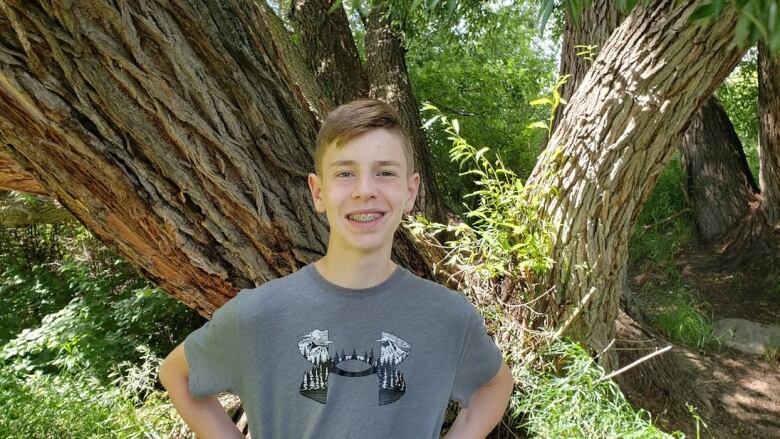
(206, 417)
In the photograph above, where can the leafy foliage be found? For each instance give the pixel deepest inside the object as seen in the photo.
(76, 405)
(739, 96)
(107, 315)
(80, 338)
(570, 398)
(506, 235)
(482, 70)
(665, 224)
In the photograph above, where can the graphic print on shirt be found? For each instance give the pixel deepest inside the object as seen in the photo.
(393, 350)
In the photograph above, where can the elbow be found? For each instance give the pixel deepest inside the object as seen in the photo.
(507, 380)
(169, 374)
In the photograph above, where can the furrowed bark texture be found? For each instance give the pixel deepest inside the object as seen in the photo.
(14, 178)
(178, 133)
(593, 28)
(330, 50)
(618, 132)
(388, 81)
(720, 184)
(769, 132)
(169, 130)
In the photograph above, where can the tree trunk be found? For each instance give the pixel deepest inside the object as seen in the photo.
(593, 27)
(769, 133)
(619, 130)
(720, 185)
(179, 134)
(389, 82)
(330, 50)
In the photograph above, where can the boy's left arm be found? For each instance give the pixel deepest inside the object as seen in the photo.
(487, 406)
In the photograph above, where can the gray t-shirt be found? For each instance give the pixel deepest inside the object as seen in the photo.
(311, 359)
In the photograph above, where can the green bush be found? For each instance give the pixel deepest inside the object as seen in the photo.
(108, 315)
(81, 334)
(77, 405)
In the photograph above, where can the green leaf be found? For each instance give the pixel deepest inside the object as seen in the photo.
(547, 7)
(540, 101)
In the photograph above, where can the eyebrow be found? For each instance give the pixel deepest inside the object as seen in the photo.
(378, 163)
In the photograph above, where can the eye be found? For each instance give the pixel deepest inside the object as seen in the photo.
(343, 174)
(387, 173)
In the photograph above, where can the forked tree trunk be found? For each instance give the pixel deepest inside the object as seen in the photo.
(769, 133)
(619, 130)
(719, 183)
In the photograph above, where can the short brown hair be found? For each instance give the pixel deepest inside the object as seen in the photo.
(355, 118)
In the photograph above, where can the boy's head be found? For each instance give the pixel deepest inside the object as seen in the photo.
(355, 118)
(364, 179)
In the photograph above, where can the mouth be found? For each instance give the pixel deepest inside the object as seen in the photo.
(365, 218)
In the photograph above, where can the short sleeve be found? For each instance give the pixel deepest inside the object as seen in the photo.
(480, 360)
(213, 351)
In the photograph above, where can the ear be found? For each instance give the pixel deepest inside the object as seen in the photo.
(412, 186)
(315, 186)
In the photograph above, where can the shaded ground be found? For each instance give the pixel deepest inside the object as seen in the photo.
(751, 292)
(736, 394)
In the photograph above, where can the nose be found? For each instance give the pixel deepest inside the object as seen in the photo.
(364, 187)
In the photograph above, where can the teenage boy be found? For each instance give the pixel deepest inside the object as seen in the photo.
(353, 345)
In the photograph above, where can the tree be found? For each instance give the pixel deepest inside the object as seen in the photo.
(181, 135)
(720, 185)
(769, 132)
(13, 177)
(617, 132)
(584, 34)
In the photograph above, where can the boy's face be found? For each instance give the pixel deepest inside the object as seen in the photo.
(364, 191)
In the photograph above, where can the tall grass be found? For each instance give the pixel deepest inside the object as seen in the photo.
(569, 398)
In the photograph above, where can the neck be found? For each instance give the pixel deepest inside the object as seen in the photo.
(356, 272)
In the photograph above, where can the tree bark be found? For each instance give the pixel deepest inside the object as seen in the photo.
(14, 178)
(388, 81)
(330, 49)
(720, 185)
(619, 130)
(171, 131)
(594, 26)
(769, 133)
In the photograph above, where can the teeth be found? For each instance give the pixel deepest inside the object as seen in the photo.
(364, 217)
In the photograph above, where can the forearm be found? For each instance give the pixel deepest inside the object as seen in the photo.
(487, 406)
(205, 417)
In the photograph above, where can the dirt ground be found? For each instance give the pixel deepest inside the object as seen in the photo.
(736, 394)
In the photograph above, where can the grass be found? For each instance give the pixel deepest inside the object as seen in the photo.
(569, 398)
(684, 321)
(664, 227)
